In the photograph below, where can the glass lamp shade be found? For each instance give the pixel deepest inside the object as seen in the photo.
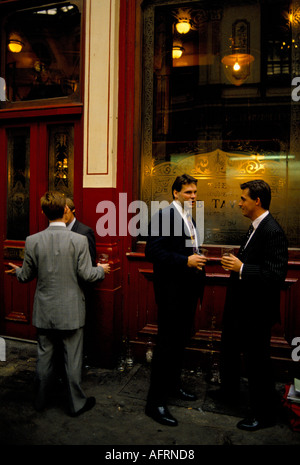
(183, 27)
(15, 46)
(237, 67)
(177, 51)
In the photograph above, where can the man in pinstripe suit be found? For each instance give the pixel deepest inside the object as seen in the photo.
(58, 258)
(252, 306)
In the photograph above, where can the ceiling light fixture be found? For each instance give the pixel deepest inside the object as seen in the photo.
(15, 46)
(183, 26)
(237, 67)
(177, 51)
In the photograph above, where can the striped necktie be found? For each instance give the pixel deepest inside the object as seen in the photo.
(250, 231)
(191, 228)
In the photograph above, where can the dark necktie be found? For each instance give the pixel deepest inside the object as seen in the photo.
(250, 231)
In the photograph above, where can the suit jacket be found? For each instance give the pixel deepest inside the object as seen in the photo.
(168, 247)
(257, 294)
(81, 228)
(58, 258)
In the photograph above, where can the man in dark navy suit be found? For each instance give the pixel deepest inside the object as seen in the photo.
(178, 275)
(252, 306)
(74, 225)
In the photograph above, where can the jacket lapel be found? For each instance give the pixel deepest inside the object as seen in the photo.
(255, 236)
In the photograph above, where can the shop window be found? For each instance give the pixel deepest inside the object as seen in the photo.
(18, 178)
(211, 110)
(41, 53)
(278, 33)
(61, 159)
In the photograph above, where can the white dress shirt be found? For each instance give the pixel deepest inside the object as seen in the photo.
(256, 223)
(183, 213)
(57, 223)
(70, 225)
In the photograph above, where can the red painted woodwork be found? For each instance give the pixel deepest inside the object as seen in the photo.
(206, 334)
(104, 319)
(111, 319)
(124, 303)
(139, 309)
(16, 298)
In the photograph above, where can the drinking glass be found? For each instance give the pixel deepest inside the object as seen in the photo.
(200, 251)
(102, 258)
(227, 251)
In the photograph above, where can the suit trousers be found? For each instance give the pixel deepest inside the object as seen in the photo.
(175, 320)
(48, 342)
(252, 339)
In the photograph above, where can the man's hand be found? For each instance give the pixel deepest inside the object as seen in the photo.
(231, 262)
(196, 261)
(106, 267)
(13, 270)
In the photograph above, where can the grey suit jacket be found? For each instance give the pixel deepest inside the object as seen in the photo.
(58, 258)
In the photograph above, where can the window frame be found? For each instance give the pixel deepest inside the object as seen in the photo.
(64, 101)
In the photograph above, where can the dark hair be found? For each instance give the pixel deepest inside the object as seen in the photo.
(70, 204)
(182, 181)
(259, 189)
(53, 205)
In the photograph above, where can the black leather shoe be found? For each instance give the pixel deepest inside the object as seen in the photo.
(161, 414)
(184, 395)
(90, 403)
(252, 424)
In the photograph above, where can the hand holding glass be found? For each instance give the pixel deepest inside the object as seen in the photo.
(103, 261)
(226, 251)
(202, 252)
(103, 258)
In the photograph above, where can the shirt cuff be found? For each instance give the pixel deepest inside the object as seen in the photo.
(240, 272)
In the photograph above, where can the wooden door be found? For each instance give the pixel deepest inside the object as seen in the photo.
(35, 156)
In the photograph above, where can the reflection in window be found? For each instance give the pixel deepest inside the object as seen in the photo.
(18, 184)
(43, 52)
(212, 111)
(279, 39)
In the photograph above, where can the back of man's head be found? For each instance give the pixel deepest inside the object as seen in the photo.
(53, 205)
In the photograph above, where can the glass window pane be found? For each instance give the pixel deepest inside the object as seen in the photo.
(18, 183)
(43, 52)
(221, 109)
(61, 158)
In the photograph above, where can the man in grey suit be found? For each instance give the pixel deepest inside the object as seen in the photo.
(58, 258)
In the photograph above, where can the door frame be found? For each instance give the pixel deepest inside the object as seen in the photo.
(18, 324)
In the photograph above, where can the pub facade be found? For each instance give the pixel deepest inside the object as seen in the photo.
(108, 101)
